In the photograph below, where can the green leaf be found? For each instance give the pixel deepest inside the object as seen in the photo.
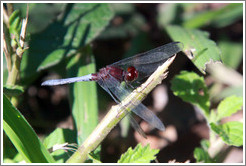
(203, 49)
(202, 156)
(219, 18)
(139, 155)
(191, 88)
(229, 106)
(22, 135)
(11, 90)
(15, 24)
(77, 26)
(230, 132)
(58, 137)
(83, 95)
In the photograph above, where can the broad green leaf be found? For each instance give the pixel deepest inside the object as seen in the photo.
(203, 49)
(75, 27)
(220, 17)
(58, 138)
(139, 155)
(22, 135)
(230, 132)
(11, 90)
(83, 95)
(191, 88)
(201, 156)
(229, 48)
(82, 24)
(229, 106)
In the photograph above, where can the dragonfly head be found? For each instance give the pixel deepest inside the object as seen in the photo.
(131, 74)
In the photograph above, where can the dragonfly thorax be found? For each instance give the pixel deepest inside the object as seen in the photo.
(119, 74)
(109, 71)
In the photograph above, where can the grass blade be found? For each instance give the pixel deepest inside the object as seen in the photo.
(23, 136)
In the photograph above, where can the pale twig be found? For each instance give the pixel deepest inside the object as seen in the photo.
(5, 17)
(216, 147)
(23, 29)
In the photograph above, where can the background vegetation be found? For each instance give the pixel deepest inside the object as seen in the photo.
(199, 102)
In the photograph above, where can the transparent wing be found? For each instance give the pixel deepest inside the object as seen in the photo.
(147, 62)
(118, 93)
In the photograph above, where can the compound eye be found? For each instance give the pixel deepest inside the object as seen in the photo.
(132, 74)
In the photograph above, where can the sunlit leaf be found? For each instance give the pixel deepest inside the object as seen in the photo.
(191, 88)
(230, 132)
(139, 154)
(229, 106)
(203, 49)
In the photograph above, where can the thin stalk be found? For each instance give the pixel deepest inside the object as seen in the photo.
(116, 113)
(13, 74)
(14, 71)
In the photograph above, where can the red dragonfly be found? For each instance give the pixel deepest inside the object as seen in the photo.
(129, 70)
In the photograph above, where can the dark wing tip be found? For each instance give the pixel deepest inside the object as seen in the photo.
(179, 44)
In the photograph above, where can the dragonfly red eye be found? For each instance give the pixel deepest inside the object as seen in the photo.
(132, 74)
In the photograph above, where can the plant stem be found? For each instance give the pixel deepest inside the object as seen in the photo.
(14, 71)
(116, 113)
